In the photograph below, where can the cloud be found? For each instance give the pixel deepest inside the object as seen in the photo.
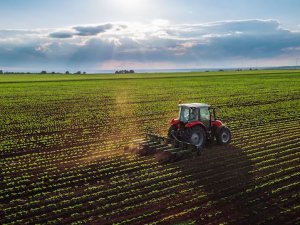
(83, 31)
(61, 34)
(223, 43)
(92, 30)
(248, 39)
(93, 51)
(23, 54)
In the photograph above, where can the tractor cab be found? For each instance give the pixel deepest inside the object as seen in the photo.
(196, 112)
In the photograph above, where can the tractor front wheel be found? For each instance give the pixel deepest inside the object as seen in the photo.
(198, 137)
(224, 136)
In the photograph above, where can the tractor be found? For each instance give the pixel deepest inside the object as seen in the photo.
(195, 126)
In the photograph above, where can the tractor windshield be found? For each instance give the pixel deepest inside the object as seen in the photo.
(187, 114)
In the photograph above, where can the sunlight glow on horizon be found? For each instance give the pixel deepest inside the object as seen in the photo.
(129, 7)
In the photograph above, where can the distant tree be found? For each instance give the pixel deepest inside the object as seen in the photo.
(78, 72)
(53, 73)
(124, 71)
(67, 72)
(1, 71)
(44, 72)
(84, 72)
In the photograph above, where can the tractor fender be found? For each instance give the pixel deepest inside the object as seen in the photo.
(219, 129)
(175, 122)
(217, 123)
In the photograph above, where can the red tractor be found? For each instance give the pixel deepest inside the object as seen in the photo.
(197, 124)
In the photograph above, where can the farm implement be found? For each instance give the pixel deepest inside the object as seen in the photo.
(196, 125)
(168, 149)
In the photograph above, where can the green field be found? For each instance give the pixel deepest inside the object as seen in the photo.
(63, 141)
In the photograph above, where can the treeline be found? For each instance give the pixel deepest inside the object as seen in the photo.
(67, 72)
(42, 72)
(9, 72)
(124, 71)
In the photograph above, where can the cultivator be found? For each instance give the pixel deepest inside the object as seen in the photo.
(167, 149)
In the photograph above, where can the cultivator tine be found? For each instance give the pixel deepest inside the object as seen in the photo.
(168, 149)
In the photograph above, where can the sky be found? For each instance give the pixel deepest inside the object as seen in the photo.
(97, 35)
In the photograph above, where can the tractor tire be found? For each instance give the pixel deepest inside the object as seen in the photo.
(223, 136)
(171, 130)
(197, 137)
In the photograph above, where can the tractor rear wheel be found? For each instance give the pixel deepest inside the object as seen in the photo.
(198, 137)
(224, 136)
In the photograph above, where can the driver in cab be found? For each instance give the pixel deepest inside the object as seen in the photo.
(193, 115)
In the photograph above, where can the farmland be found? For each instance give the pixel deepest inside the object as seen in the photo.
(64, 158)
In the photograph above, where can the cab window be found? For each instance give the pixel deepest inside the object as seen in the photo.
(194, 112)
(205, 116)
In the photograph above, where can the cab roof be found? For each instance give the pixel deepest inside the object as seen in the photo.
(194, 105)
